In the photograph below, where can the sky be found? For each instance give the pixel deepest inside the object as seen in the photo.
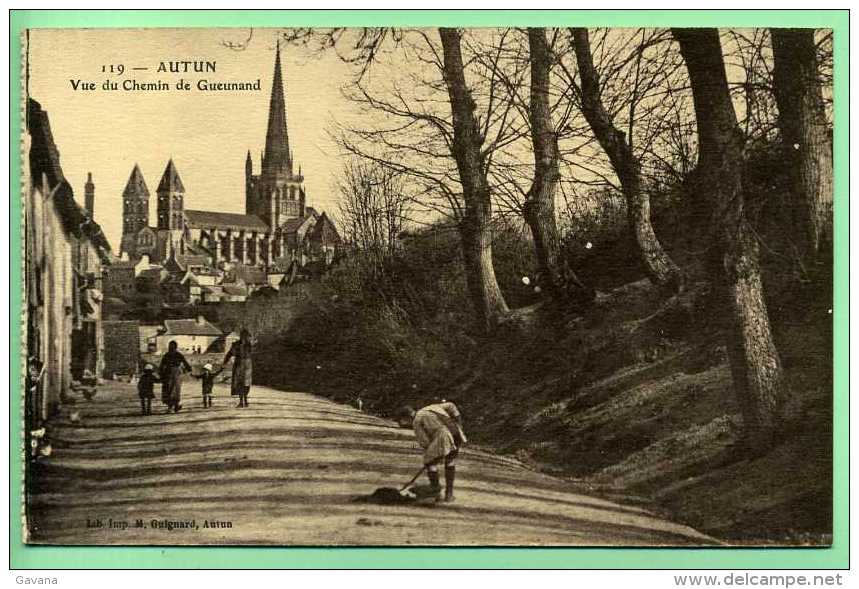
(207, 134)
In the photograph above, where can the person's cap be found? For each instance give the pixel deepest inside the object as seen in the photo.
(149, 367)
(207, 366)
(405, 412)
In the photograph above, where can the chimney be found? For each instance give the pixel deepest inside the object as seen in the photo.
(201, 320)
(89, 194)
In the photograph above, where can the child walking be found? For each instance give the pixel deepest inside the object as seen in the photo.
(145, 389)
(208, 380)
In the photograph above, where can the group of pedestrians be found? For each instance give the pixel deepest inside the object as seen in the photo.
(438, 426)
(174, 365)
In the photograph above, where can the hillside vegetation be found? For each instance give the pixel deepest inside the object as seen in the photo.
(631, 398)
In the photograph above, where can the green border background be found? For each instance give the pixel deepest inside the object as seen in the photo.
(32, 557)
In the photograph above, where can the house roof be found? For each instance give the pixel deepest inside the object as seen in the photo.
(186, 260)
(123, 265)
(325, 231)
(209, 219)
(151, 273)
(234, 290)
(170, 181)
(293, 225)
(190, 327)
(250, 274)
(281, 264)
(196, 249)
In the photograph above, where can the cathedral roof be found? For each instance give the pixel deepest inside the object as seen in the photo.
(235, 221)
(136, 185)
(170, 181)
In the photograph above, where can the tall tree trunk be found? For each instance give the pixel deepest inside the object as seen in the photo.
(660, 268)
(805, 137)
(475, 228)
(539, 209)
(755, 364)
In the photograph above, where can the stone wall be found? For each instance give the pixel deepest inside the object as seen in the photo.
(121, 348)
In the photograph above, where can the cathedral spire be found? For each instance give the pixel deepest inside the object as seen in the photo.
(170, 181)
(277, 155)
(135, 186)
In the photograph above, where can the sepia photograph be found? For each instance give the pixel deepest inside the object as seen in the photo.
(464, 287)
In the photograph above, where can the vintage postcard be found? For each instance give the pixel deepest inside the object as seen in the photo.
(505, 286)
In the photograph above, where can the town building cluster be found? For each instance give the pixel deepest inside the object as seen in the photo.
(198, 256)
(92, 313)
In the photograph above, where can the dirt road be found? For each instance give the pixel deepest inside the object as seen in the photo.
(284, 471)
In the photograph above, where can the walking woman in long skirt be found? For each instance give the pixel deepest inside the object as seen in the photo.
(241, 353)
(172, 365)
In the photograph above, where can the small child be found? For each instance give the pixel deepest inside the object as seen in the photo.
(208, 378)
(145, 387)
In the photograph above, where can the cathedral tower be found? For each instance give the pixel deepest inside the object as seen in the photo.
(276, 195)
(135, 203)
(171, 196)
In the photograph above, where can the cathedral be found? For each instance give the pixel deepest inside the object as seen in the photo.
(278, 226)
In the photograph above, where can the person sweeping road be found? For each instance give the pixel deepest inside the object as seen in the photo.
(438, 428)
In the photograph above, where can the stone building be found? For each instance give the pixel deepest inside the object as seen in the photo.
(65, 251)
(191, 335)
(277, 224)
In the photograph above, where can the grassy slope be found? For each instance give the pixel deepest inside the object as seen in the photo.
(633, 400)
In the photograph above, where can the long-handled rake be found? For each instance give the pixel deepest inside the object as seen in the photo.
(414, 478)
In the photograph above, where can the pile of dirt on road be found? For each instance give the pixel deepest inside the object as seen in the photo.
(633, 399)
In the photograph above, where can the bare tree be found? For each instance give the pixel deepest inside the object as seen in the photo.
(805, 138)
(734, 262)
(539, 208)
(467, 145)
(372, 210)
(421, 123)
(659, 267)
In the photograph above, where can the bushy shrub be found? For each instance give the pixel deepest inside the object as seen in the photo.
(393, 334)
(595, 242)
